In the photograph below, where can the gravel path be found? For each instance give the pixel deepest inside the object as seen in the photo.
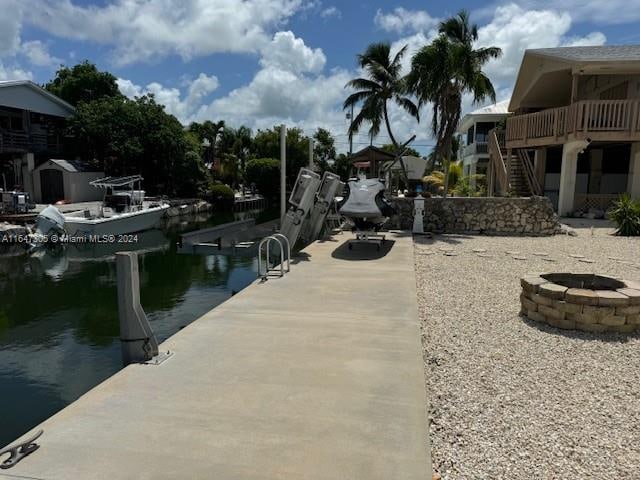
(511, 399)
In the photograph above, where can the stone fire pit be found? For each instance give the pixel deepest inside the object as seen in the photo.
(593, 303)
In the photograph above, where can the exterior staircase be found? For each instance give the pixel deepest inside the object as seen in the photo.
(512, 174)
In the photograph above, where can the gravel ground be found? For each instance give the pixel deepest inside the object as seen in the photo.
(512, 399)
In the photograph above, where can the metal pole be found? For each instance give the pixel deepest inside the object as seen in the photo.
(283, 171)
(351, 137)
(310, 153)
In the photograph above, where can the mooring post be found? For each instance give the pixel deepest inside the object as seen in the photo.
(138, 342)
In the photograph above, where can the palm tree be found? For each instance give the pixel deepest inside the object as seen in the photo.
(384, 83)
(443, 71)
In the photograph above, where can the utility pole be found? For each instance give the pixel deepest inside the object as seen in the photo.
(283, 172)
(351, 136)
(311, 153)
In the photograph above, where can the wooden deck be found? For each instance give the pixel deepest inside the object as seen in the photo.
(596, 120)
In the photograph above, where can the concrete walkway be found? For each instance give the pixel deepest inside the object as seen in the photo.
(318, 375)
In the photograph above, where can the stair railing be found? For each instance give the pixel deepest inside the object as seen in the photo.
(530, 175)
(499, 166)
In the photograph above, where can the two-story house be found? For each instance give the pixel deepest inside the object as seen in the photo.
(31, 131)
(474, 133)
(574, 135)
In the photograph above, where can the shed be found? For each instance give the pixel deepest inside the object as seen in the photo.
(68, 180)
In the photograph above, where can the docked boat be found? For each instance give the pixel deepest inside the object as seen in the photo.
(123, 210)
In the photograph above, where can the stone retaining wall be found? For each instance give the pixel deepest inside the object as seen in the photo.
(532, 216)
(581, 309)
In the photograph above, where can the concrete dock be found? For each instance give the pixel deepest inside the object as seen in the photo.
(317, 375)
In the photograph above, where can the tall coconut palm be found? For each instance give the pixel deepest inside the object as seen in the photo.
(443, 71)
(384, 83)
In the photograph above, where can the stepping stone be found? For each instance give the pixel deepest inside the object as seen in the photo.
(586, 260)
(478, 250)
(519, 258)
(576, 255)
(450, 254)
(549, 259)
(484, 255)
(426, 253)
(615, 259)
(540, 254)
(512, 253)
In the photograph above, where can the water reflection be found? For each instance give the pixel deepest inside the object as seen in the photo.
(58, 314)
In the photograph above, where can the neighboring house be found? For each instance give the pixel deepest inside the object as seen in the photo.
(65, 180)
(373, 162)
(474, 131)
(31, 131)
(574, 135)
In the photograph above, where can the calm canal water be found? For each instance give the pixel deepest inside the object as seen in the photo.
(59, 333)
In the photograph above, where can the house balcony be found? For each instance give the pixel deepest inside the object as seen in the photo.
(597, 120)
(475, 148)
(23, 142)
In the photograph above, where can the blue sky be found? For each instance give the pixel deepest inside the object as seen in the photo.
(262, 62)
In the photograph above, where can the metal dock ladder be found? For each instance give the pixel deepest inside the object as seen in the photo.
(285, 248)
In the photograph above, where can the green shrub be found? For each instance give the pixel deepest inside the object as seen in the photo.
(221, 192)
(265, 174)
(626, 214)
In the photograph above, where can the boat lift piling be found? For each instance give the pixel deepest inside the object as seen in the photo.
(139, 343)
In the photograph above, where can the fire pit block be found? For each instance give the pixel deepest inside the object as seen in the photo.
(578, 301)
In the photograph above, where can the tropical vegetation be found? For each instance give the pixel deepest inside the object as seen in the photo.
(441, 74)
(625, 212)
(384, 83)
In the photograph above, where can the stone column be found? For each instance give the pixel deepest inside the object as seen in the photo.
(472, 172)
(27, 167)
(633, 182)
(568, 176)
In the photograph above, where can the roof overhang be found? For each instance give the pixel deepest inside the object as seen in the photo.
(545, 81)
(26, 95)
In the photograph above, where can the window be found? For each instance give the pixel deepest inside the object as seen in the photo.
(615, 159)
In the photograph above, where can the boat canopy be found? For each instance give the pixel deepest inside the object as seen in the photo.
(107, 182)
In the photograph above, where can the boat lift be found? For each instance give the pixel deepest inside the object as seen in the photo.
(301, 202)
(329, 188)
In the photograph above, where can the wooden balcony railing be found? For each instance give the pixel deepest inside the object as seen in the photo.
(619, 118)
(19, 142)
(13, 141)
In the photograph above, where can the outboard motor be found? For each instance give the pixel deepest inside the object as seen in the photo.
(49, 220)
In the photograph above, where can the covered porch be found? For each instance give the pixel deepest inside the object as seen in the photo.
(581, 176)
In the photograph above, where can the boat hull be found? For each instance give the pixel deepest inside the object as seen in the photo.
(117, 225)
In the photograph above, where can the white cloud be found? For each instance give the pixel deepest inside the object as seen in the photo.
(402, 20)
(514, 30)
(10, 26)
(184, 107)
(14, 72)
(38, 54)
(610, 11)
(331, 12)
(289, 53)
(593, 38)
(290, 87)
(148, 29)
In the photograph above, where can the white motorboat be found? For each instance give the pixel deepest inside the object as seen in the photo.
(124, 210)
